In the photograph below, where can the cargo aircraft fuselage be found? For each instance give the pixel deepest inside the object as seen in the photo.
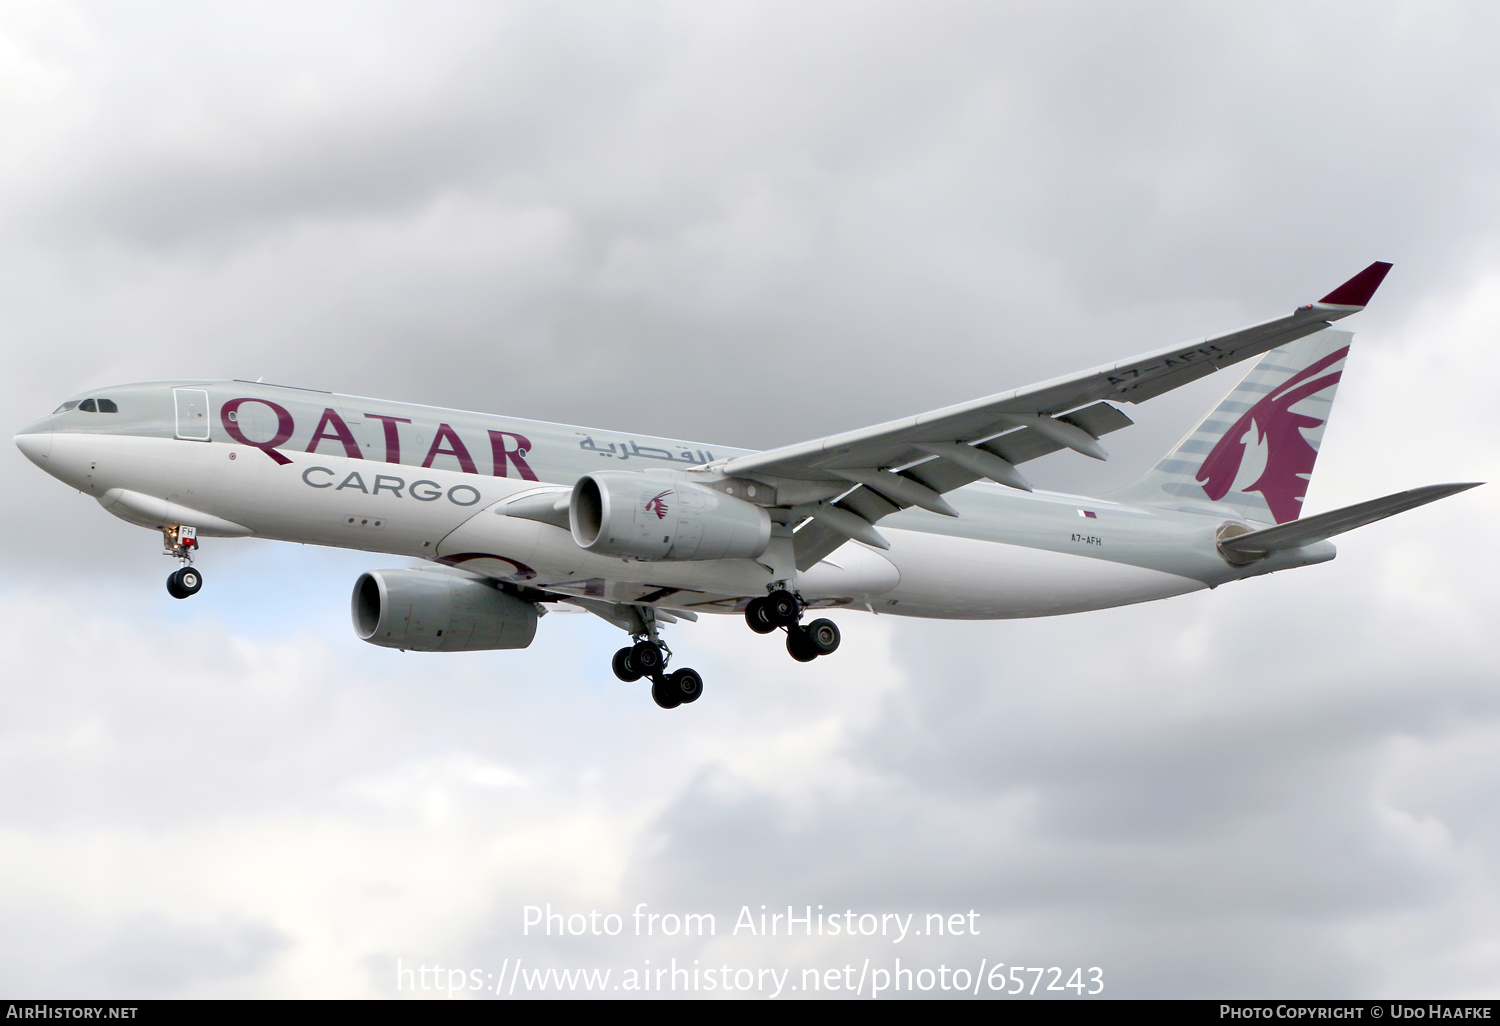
(510, 516)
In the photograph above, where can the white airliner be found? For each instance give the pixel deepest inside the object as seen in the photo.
(514, 515)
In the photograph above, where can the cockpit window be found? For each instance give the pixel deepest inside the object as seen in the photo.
(89, 406)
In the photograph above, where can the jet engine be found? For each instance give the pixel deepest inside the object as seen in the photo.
(648, 516)
(432, 611)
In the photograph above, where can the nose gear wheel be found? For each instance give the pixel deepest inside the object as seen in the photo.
(184, 583)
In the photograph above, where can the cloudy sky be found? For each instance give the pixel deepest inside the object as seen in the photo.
(749, 224)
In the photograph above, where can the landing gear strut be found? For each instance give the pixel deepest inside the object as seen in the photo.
(781, 608)
(180, 544)
(648, 657)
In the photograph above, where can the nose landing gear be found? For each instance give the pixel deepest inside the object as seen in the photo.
(180, 543)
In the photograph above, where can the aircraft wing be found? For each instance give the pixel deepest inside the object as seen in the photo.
(878, 470)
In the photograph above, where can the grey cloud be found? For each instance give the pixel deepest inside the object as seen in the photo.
(153, 955)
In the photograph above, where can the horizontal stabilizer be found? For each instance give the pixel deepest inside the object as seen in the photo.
(1308, 530)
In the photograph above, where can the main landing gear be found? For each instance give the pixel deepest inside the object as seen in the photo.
(648, 657)
(781, 608)
(180, 543)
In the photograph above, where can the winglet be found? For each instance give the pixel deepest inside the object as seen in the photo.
(1358, 289)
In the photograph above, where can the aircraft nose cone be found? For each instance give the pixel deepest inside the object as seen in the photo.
(36, 444)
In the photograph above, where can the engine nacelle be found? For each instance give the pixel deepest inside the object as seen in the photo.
(431, 611)
(648, 516)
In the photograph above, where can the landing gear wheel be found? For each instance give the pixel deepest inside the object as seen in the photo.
(687, 684)
(823, 636)
(781, 608)
(184, 583)
(755, 616)
(799, 645)
(664, 692)
(624, 665)
(648, 658)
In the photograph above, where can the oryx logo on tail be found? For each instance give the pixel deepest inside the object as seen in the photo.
(1254, 452)
(1289, 456)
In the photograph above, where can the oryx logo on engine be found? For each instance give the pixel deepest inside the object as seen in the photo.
(658, 504)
